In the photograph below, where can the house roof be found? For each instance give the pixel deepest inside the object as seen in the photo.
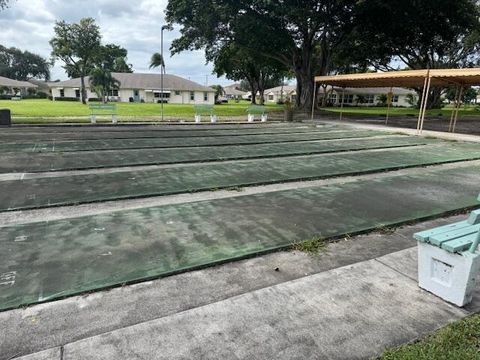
(286, 89)
(405, 78)
(145, 81)
(15, 83)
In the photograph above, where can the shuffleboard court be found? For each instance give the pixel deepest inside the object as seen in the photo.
(77, 189)
(25, 162)
(49, 260)
(78, 133)
(145, 143)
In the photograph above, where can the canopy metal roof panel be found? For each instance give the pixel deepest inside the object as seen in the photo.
(405, 78)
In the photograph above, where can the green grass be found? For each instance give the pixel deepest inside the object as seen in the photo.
(458, 341)
(382, 111)
(313, 246)
(50, 109)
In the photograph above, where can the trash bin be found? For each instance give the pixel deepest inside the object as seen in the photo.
(5, 117)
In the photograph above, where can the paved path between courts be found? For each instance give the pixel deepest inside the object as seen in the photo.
(352, 312)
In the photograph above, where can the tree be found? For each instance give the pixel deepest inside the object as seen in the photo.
(22, 65)
(102, 81)
(4, 4)
(418, 34)
(297, 34)
(114, 58)
(219, 91)
(78, 46)
(157, 61)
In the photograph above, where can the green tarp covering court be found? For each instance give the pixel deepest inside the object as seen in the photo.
(48, 260)
(26, 162)
(64, 190)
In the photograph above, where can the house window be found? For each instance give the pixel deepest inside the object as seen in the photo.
(159, 95)
(348, 99)
(192, 96)
(62, 93)
(205, 96)
(113, 92)
(369, 99)
(332, 98)
(177, 93)
(395, 99)
(270, 97)
(77, 93)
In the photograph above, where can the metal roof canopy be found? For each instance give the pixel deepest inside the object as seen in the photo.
(405, 78)
(424, 79)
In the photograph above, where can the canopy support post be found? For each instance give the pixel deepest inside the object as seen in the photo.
(457, 110)
(314, 98)
(454, 108)
(421, 104)
(389, 103)
(425, 103)
(341, 104)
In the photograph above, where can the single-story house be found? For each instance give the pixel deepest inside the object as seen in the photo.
(14, 87)
(233, 92)
(137, 87)
(281, 93)
(367, 96)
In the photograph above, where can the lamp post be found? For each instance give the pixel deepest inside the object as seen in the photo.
(162, 68)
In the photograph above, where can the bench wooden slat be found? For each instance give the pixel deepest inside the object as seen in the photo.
(460, 244)
(439, 239)
(425, 235)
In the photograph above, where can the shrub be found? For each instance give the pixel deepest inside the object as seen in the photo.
(67, 99)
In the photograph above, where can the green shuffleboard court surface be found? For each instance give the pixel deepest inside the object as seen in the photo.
(141, 143)
(46, 134)
(26, 162)
(69, 190)
(49, 260)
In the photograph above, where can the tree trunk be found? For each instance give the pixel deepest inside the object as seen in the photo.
(305, 86)
(254, 94)
(262, 99)
(83, 90)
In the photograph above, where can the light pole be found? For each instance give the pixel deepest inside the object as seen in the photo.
(162, 68)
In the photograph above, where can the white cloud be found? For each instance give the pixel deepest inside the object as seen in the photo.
(28, 25)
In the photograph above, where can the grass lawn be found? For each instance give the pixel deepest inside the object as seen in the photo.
(382, 111)
(47, 108)
(458, 341)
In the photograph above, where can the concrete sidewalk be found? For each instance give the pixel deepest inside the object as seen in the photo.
(352, 312)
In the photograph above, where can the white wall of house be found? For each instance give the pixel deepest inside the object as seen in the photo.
(274, 97)
(370, 99)
(124, 95)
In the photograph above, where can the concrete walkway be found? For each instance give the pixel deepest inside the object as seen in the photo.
(352, 312)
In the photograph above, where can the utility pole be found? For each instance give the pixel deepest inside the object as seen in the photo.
(162, 68)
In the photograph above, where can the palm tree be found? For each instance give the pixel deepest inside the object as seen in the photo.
(157, 61)
(102, 81)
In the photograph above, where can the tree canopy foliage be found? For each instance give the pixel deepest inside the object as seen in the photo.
(23, 65)
(313, 37)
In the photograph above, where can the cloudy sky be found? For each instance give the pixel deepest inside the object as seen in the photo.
(135, 25)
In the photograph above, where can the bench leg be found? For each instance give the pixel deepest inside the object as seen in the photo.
(114, 119)
(213, 118)
(93, 119)
(264, 118)
(251, 117)
(198, 119)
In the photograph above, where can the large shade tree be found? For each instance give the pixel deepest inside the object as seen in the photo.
(287, 31)
(77, 45)
(23, 65)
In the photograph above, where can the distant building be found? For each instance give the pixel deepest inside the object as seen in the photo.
(233, 92)
(281, 94)
(14, 87)
(136, 87)
(366, 96)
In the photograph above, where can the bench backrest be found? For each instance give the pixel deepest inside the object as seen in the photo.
(112, 108)
(256, 109)
(203, 109)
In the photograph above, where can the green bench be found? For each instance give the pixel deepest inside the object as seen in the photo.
(253, 110)
(204, 110)
(103, 109)
(448, 259)
(454, 238)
